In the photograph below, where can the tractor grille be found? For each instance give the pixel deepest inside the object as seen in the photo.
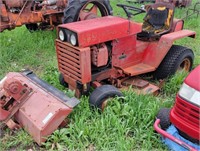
(72, 62)
(187, 111)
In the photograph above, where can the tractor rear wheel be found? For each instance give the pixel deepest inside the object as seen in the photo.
(163, 115)
(100, 96)
(78, 10)
(177, 59)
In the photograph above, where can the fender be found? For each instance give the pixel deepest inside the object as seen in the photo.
(157, 51)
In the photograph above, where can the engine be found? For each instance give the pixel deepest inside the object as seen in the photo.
(99, 55)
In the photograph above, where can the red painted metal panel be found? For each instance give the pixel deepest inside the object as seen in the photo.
(102, 29)
(156, 51)
(85, 59)
(186, 117)
(178, 35)
(193, 79)
(138, 69)
(41, 112)
(74, 63)
(177, 25)
(125, 52)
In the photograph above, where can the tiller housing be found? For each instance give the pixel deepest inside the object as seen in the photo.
(27, 101)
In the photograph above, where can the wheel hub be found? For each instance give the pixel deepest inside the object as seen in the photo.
(104, 104)
(185, 65)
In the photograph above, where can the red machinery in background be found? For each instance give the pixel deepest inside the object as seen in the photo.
(46, 14)
(27, 101)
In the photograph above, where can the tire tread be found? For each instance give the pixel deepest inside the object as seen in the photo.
(102, 92)
(163, 115)
(172, 60)
(74, 6)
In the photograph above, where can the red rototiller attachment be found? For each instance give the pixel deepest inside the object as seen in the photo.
(27, 101)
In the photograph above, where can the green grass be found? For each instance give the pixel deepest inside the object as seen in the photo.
(19, 139)
(125, 124)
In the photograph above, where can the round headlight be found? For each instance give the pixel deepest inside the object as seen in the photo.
(61, 35)
(73, 39)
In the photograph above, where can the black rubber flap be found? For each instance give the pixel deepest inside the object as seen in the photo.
(71, 102)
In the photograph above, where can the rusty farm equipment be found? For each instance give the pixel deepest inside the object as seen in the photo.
(177, 3)
(46, 14)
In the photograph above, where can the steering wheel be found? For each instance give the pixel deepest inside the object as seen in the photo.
(128, 8)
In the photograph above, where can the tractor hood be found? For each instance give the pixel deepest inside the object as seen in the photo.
(98, 30)
(193, 79)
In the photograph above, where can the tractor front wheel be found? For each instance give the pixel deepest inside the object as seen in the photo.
(100, 96)
(177, 59)
(78, 10)
(163, 115)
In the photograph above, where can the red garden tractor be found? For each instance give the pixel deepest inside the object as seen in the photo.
(46, 14)
(185, 113)
(111, 52)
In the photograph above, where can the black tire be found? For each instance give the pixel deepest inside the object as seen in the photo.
(62, 81)
(73, 8)
(174, 60)
(100, 94)
(32, 27)
(163, 115)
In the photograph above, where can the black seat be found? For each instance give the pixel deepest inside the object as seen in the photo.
(158, 21)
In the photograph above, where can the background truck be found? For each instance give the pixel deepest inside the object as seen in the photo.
(184, 115)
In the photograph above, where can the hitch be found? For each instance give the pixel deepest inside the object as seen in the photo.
(29, 102)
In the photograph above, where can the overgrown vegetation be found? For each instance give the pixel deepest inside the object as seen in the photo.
(125, 125)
